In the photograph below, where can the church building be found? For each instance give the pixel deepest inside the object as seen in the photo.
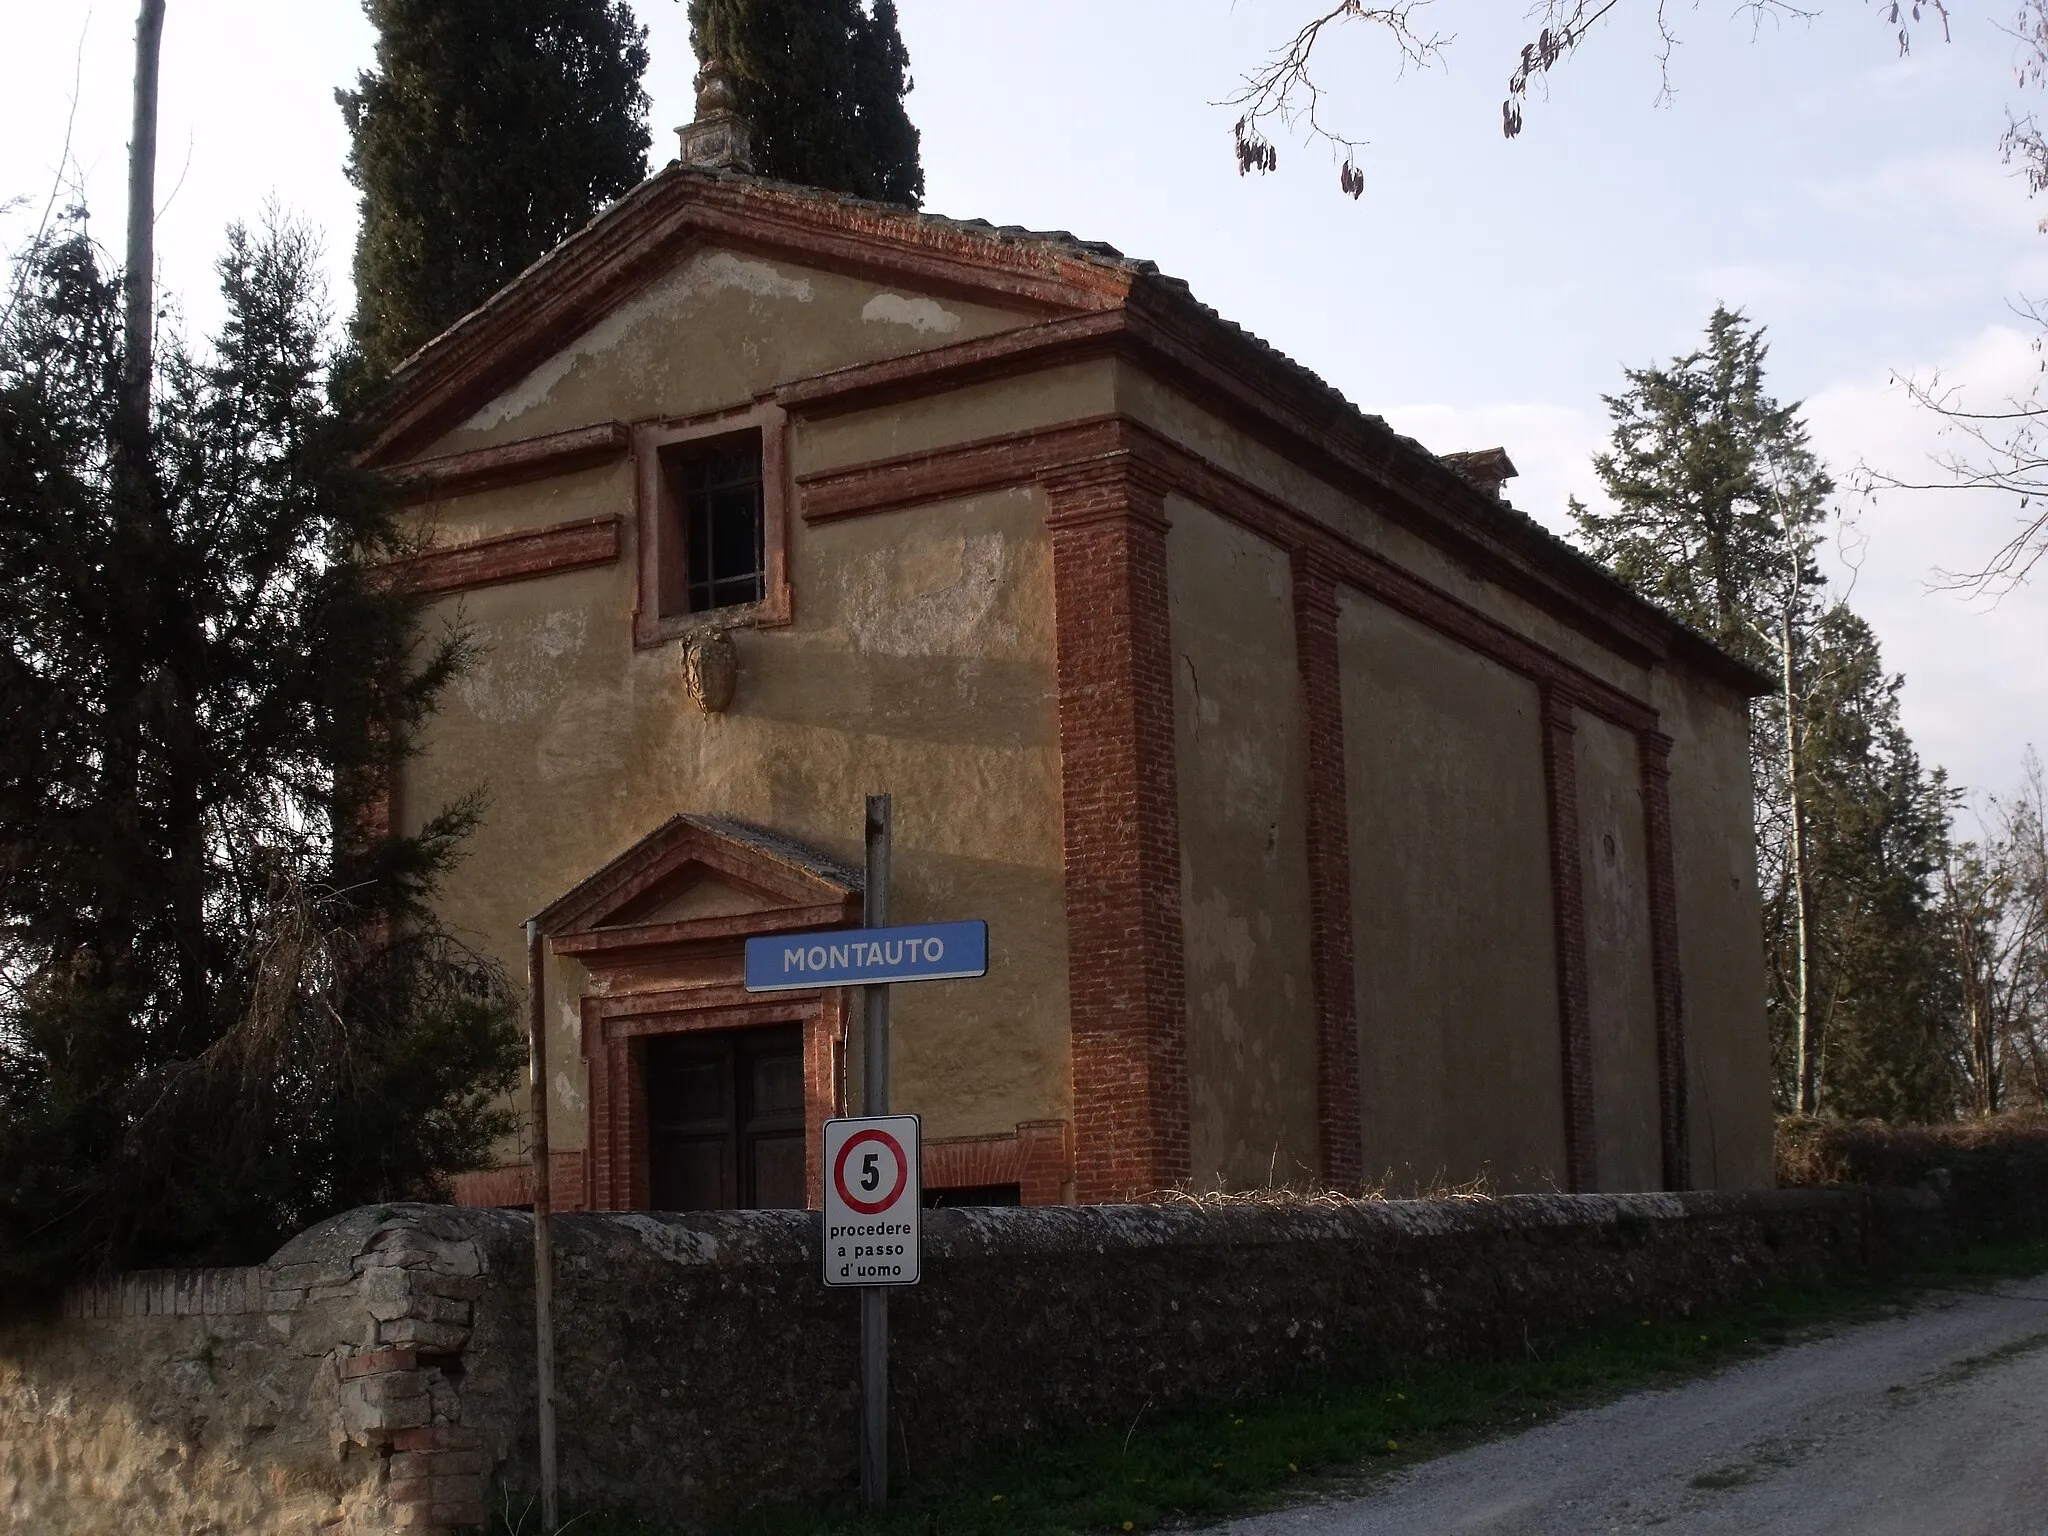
(1334, 824)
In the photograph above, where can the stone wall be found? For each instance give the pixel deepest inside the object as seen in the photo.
(377, 1375)
(317, 1393)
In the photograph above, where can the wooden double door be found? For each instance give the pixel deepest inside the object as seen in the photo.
(725, 1119)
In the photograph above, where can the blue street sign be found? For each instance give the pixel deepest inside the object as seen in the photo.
(855, 957)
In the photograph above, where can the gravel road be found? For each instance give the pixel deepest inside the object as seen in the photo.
(1933, 1424)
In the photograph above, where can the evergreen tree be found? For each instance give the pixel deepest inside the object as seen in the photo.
(1718, 498)
(225, 1008)
(1878, 826)
(1718, 507)
(822, 82)
(489, 131)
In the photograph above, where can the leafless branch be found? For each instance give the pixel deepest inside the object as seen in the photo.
(1283, 89)
(59, 179)
(2002, 450)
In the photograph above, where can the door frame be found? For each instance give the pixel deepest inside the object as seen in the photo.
(615, 1032)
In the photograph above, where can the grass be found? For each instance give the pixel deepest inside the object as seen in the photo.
(1216, 1460)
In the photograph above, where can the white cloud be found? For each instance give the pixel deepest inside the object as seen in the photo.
(1976, 688)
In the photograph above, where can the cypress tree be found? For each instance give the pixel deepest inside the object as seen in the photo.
(226, 1008)
(488, 132)
(1718, 508)
(822, 82)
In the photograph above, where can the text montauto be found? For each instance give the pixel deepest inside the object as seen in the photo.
(822, 957)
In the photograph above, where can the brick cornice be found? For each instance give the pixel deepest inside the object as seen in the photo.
(1116, 451)
(530, 458)
(993, 463)
(509, 557)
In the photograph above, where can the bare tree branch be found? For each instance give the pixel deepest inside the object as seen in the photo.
(1285, 88)
(2003, 450)
(1282, 88)
(64, 176)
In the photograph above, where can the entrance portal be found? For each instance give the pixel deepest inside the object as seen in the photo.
(725, 1119)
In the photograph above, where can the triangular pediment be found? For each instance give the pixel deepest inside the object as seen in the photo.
(701, 875)
(679, 214)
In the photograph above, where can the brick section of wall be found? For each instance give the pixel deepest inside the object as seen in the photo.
(1568, 908)
(1033, 1157)
(513, 1185)
(1329, 874)
(1121, 828)
(1653, 751)
(169, 1293)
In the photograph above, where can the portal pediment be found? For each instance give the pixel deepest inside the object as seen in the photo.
(702, 877)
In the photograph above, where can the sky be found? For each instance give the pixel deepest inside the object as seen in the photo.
(1480, 292)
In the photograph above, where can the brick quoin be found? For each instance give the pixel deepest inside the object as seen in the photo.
(1568, 905)
(1121, 828)
(1653, 753)
(1329, 874)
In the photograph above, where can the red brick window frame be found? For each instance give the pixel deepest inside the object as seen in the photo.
(658, 520)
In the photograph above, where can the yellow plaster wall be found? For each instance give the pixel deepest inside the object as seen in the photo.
(920, 663)
(607, 488)
(1074, 392)
(713, 332)
(1244, 860)
(1720, 943)
(1459, 1062)
(1621, 994)
(1176, 418)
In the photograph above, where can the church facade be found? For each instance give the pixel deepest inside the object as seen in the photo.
(1333, 823)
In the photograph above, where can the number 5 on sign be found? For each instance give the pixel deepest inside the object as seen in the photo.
(874, 1191)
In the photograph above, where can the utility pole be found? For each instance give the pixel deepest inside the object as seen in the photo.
(138, 352)
(543, 1231)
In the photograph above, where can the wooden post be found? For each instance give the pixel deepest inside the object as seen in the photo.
(874, 1299)
(543, 1232)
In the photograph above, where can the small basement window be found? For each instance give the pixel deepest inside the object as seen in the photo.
(719, 559)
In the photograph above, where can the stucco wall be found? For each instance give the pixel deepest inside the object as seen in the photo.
(1244, 855)
(1720, 940)
(1718, 916)
(1621, 994)
(919, 662)
(1459, 1061)
(714, 331)
(1176, 418)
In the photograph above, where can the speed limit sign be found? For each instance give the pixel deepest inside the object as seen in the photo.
(873, 1192)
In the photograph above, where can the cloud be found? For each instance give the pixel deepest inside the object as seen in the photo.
(1976, 689)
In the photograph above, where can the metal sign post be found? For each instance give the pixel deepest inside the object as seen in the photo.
(874, 1185)
(874, 1100)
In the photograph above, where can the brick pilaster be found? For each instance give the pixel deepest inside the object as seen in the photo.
(1042, 1158)
(1127, 985)
(1329, 873)
(1568, 907)
(1654, 754)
